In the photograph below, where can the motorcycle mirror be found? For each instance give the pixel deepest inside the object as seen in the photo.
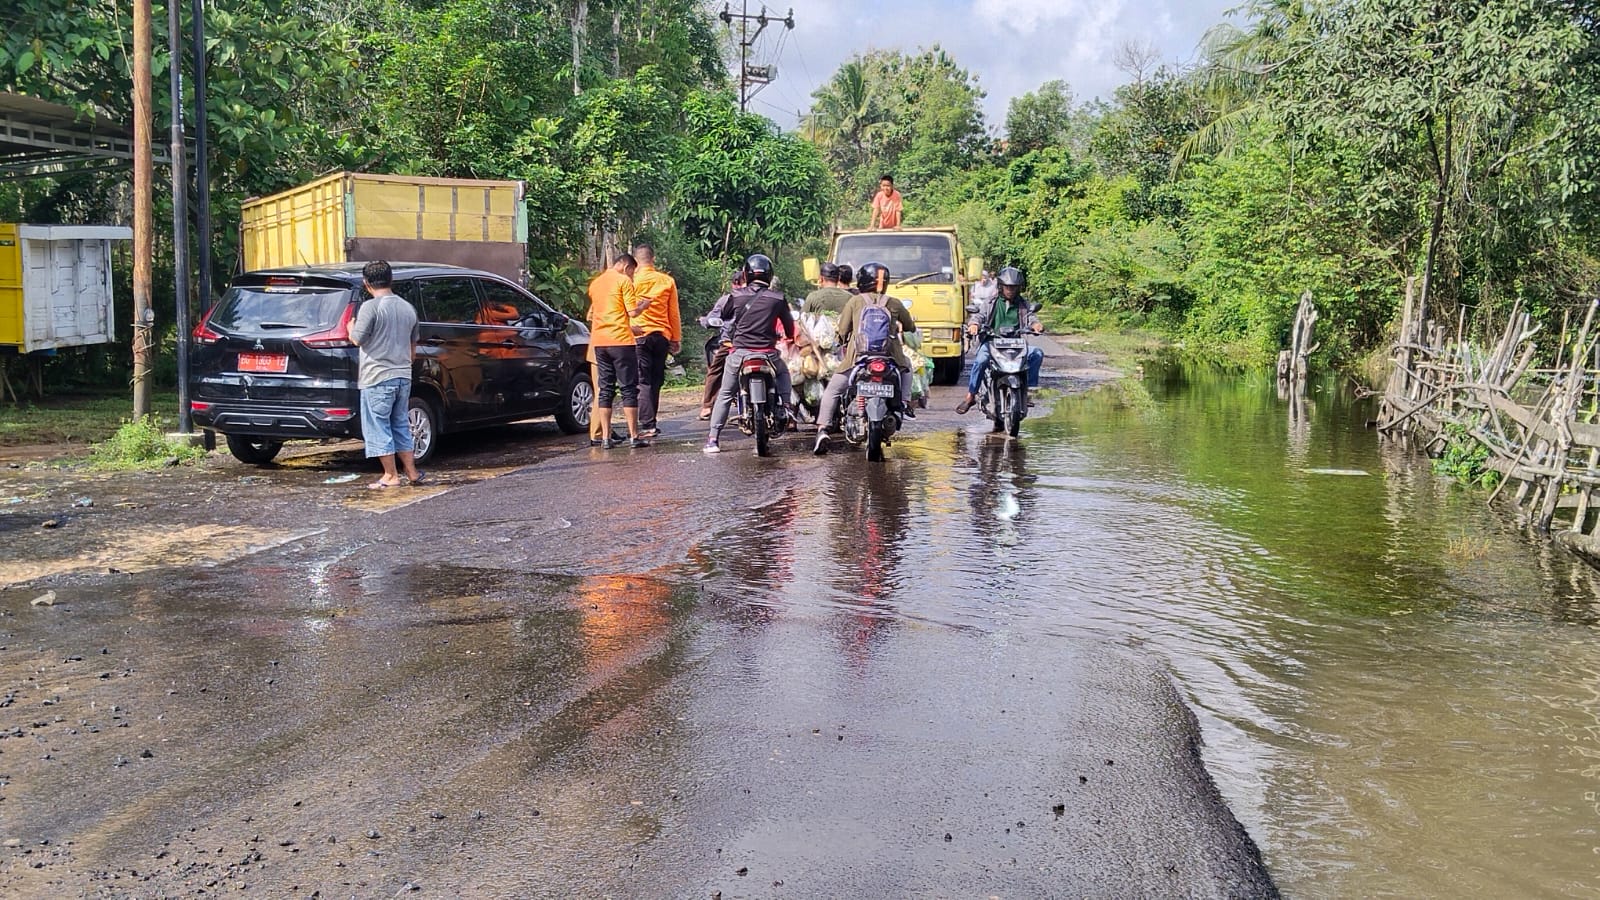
(1034, 306)
(713, 322)
(972, 307)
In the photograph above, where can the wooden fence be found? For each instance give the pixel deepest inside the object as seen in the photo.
(1540, 426)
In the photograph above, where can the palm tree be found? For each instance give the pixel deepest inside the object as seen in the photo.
(845, 120)
(1238, 63)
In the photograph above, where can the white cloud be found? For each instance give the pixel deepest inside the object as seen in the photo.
(1013, 46)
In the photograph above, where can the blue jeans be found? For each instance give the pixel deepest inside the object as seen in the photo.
(384, 425)
(981, 359)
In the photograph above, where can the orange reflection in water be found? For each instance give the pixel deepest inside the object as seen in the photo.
(619, 612)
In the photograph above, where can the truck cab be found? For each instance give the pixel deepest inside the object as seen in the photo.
(925, 266)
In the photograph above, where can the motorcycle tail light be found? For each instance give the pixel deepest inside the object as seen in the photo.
(876, 366)
(753, 365)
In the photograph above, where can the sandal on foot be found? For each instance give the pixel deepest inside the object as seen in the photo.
(963, 406)
(422, 478)
(382, 485)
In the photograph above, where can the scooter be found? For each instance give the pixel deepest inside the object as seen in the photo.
(870, 408)
(1003, 389)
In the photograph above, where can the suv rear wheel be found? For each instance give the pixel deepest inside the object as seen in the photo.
(424, 428)
(258, 451)
(572, 416)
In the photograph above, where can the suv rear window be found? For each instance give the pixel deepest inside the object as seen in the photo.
(290, 311)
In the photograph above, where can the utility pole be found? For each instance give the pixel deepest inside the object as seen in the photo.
(143, 215)
(202, 172)
(180, 210)
(752, 76)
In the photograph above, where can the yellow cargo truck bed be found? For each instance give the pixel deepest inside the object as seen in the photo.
(353, 216)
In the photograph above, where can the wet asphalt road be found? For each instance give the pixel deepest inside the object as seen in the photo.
(564, 672)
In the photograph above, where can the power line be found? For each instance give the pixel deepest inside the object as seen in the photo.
(751, 75)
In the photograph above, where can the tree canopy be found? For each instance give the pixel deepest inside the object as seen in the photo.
(1341, 146)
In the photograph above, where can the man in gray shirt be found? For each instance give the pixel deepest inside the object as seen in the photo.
(385, 330)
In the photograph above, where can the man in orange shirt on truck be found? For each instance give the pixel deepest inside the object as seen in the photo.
(886, 204)
(657, 293)
(612, 308)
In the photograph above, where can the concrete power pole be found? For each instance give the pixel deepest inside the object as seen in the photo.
(752, 78)
(143, 215)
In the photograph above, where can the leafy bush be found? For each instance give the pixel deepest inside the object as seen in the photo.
(142, 444)
(1464, 459)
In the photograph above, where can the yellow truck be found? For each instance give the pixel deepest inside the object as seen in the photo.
(357, 216)
(925, 266)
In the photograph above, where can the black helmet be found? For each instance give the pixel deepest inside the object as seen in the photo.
(1013, 277)
(846, 274)
(873, 277)
(757, 268)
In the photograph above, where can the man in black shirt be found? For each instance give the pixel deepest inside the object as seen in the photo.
(756, 312)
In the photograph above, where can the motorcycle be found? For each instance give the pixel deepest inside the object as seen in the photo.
(869, 412)
(1003, 389)
(757, 410)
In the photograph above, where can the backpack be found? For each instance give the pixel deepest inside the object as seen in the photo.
(876, 327)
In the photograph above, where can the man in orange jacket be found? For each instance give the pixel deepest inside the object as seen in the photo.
(657, 294)
(612, 309)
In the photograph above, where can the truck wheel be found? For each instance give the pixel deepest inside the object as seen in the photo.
(424, 429)
(257, 451)
(572, 416)
(947, 369)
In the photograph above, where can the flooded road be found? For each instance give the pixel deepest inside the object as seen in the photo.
(646, 673)
(1400, 691)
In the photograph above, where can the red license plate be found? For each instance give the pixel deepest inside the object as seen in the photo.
(263, 362)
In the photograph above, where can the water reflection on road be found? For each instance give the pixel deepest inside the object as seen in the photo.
(1398, 689)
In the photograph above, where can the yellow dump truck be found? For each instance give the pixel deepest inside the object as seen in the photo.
(355, 216)
(925, 266)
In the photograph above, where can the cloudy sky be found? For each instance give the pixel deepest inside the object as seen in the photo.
(1012, 45)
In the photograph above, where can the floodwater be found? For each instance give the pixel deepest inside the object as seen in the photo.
(1399, 690)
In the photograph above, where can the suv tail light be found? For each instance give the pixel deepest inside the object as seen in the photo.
(337, 336)
(202, 329)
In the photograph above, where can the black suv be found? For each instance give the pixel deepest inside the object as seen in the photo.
(272, 360)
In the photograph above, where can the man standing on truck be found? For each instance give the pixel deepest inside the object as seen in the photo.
(612, 308)
(385, 331)
(886, 204)
(657, 294)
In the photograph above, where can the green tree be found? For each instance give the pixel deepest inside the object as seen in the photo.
(1472, 121)
(1043, 118)
(742, 186)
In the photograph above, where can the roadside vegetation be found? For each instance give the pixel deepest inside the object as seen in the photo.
(143, 444)
(70, 418)
(1338, 146)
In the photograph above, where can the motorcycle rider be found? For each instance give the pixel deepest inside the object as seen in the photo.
(872, 280)
(830, 295)
(717, 345)
(760, 318)
(1009, 313)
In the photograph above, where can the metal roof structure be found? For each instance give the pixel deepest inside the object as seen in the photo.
(39, 138)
